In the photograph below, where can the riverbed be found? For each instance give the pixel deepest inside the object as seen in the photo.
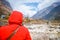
(43, 32)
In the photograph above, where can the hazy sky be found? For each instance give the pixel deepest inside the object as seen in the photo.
(30, 7)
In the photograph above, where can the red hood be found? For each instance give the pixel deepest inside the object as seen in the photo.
(15, 18)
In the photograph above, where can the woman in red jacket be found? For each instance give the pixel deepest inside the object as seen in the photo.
(14, 30)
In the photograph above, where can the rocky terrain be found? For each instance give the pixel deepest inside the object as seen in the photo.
(44, 32)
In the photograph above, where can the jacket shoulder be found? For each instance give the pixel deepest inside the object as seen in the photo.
(25, 28)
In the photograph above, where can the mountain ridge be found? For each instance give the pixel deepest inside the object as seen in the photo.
(41, 14)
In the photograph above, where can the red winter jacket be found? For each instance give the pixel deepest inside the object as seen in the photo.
(15, 20)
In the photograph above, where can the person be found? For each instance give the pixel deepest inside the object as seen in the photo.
(15, 21)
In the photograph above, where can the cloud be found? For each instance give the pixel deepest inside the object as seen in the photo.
(30, 7)
(31, 1)
(25, 9)
(26, 1)
(45, 4)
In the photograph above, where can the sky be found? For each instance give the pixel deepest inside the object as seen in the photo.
(30, 7)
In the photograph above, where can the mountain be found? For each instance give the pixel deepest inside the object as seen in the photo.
(5, 7)
(6, 3)
(53, 14)
(49, 13)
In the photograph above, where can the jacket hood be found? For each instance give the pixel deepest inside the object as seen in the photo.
(16, 17)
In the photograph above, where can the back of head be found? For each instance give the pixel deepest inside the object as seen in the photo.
(16, 17)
